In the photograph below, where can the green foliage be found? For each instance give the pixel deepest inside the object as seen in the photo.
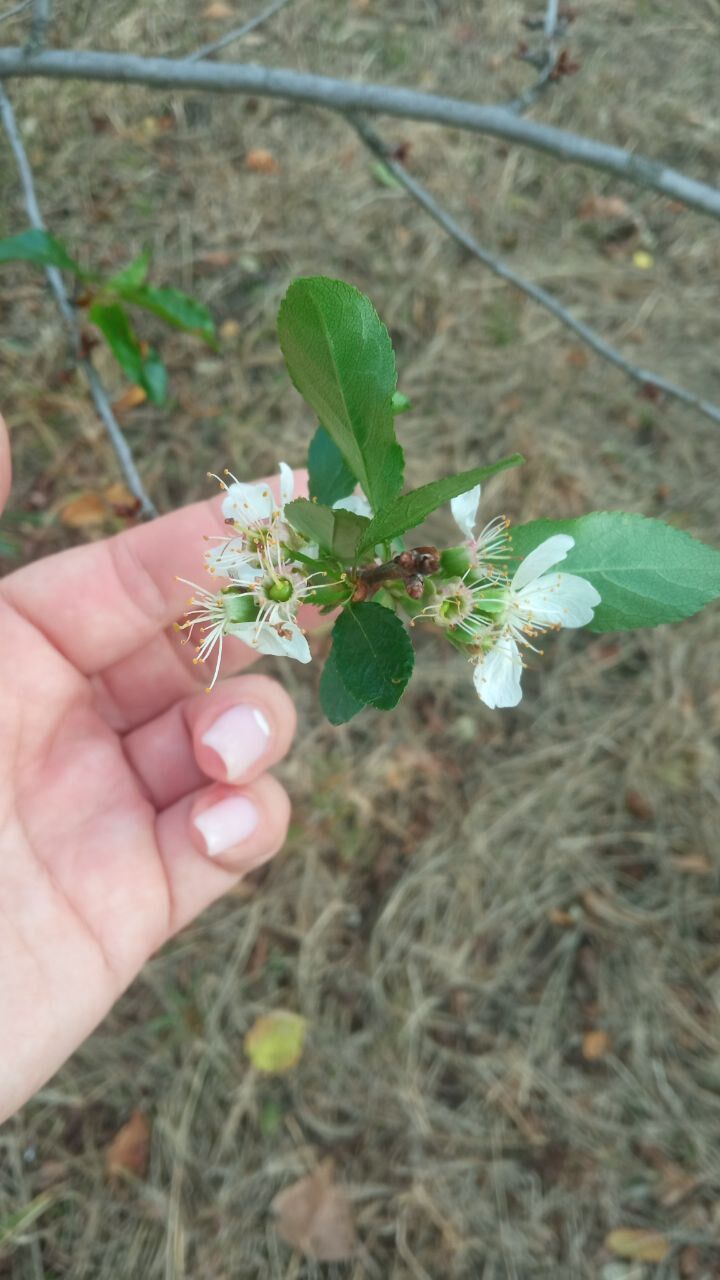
(133, 275)
(647, 573)
(400, 403)
(145, 370)
(412, 508)
(39, 248)
(329, 476)
(337, 702)
(337, 532)
(340, 358)
(373, 655)
(175, 308)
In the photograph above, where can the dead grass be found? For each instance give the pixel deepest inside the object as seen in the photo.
(464, 894)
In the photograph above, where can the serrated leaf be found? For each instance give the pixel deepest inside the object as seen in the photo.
(337, 702)
(647, 572)
(312, 520)
(340, 358)
(40, 248)
(412, 508)
(175, 308)
(373, 654)
(329, 476)
(275, 1040)
(348, 531)
(133, 275)
(115, 327)
(638, 1245)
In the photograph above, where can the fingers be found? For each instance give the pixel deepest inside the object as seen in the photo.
(103, 601)
(209, 840)
(5, 467)
(233, 735)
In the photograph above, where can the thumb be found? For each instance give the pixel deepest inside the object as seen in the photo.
(5, 467)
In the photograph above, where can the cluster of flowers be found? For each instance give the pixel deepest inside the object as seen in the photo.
(488, 614)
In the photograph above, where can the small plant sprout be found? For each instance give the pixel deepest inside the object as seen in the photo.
(343, 550)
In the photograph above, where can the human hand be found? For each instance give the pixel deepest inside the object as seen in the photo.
(129, 800)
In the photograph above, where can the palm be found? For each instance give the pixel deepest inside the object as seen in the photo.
(102, 766)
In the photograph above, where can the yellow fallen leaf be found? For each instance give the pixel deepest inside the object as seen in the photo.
(129, 1150)
(643, 260)
(259, 160)
(89, 508)
(129, 399)
(315, 1216)
(638, 1245)
(595, 1045)
(275, 1040)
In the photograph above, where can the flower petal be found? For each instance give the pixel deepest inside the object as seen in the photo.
(558, 599)
(497, 674)
(355, 502)
(284, 640)
(287, 484)
(545, 555)
(248, 504)
(464, 511)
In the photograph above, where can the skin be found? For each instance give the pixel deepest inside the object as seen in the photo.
(102, 769)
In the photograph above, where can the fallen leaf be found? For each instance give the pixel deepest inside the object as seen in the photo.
(216, 11)
(316, 1217)
(638, 806)
(576, 357)
(561, 918)
(275, 1040)
(130, 399)
(230, 329)
(694, 864)
(643, 260)
(638, 1245)
(595, 1045)
(261, 161)
(603, 207)
(89, 508)
(129, 1150)
(123, 502)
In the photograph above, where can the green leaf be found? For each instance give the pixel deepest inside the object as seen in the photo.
(340, 358)
(175, 308)
(400, 403)
(414, 507)
(646, 571)
(314, 521)
(133, 275)
(347, 534)
(373, 654)
(147, 371)
(338, 704)
(329, 476)
(38, 247)
(154, 377)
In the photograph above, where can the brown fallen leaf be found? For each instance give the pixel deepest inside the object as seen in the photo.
(259, 160)
(316, 1217)
(595, 1045)
(562, 918)
(123, 502)
(694, 864)
(638, 806)
(89, 508)
(129, 399)
(638, 1245)
(216, 11)
(603, 207)
(129, 1150)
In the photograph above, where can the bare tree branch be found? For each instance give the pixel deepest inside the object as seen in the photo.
(423, 197)
(344, 96)
(55, 280)
(551, 19)
(238, 32)
(40, 24)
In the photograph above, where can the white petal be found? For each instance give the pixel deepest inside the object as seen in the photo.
(267, 639)
(558, 599)
(464, 511)
(287, 484)
(548, 553)
(355, 502)
(497, 675)
(248, 504)
(234, 560)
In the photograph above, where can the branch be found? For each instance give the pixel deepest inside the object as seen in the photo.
(55, 280)
(40, 24)
(238, 32)
(346, 96)
(551, 18)
(647, 379)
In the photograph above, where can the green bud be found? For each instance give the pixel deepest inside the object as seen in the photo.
(239, 605)
(280, 591)
(455, 561)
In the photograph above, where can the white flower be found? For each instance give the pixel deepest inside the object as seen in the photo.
(535, 601)
(277, 639)
(234, 559)
(252, 506)
(492, 543)
(355, 502)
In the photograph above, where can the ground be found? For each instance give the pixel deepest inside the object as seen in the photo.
(465, 895)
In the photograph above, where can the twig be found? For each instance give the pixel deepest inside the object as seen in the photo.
(346, 96)
(18, 8)
(530, 95)
(646, 378)
(238, 32)
(40, 24)
(55, 280)
(551, 18)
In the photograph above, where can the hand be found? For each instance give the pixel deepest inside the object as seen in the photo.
(129, 799)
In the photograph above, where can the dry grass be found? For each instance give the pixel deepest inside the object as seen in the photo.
(464, 894)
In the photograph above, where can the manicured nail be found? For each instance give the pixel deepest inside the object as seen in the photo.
(240, 737)
(225, 825)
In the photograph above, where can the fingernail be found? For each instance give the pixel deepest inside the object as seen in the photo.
(225, 825)
(240, 737)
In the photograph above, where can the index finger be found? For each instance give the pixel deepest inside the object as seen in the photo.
(98, 603)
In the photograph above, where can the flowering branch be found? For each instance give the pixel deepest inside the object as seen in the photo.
(345, 96)
(55, 280)
(422, 196)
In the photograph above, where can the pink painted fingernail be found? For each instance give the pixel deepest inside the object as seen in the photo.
(225, 825)
(240, 737)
